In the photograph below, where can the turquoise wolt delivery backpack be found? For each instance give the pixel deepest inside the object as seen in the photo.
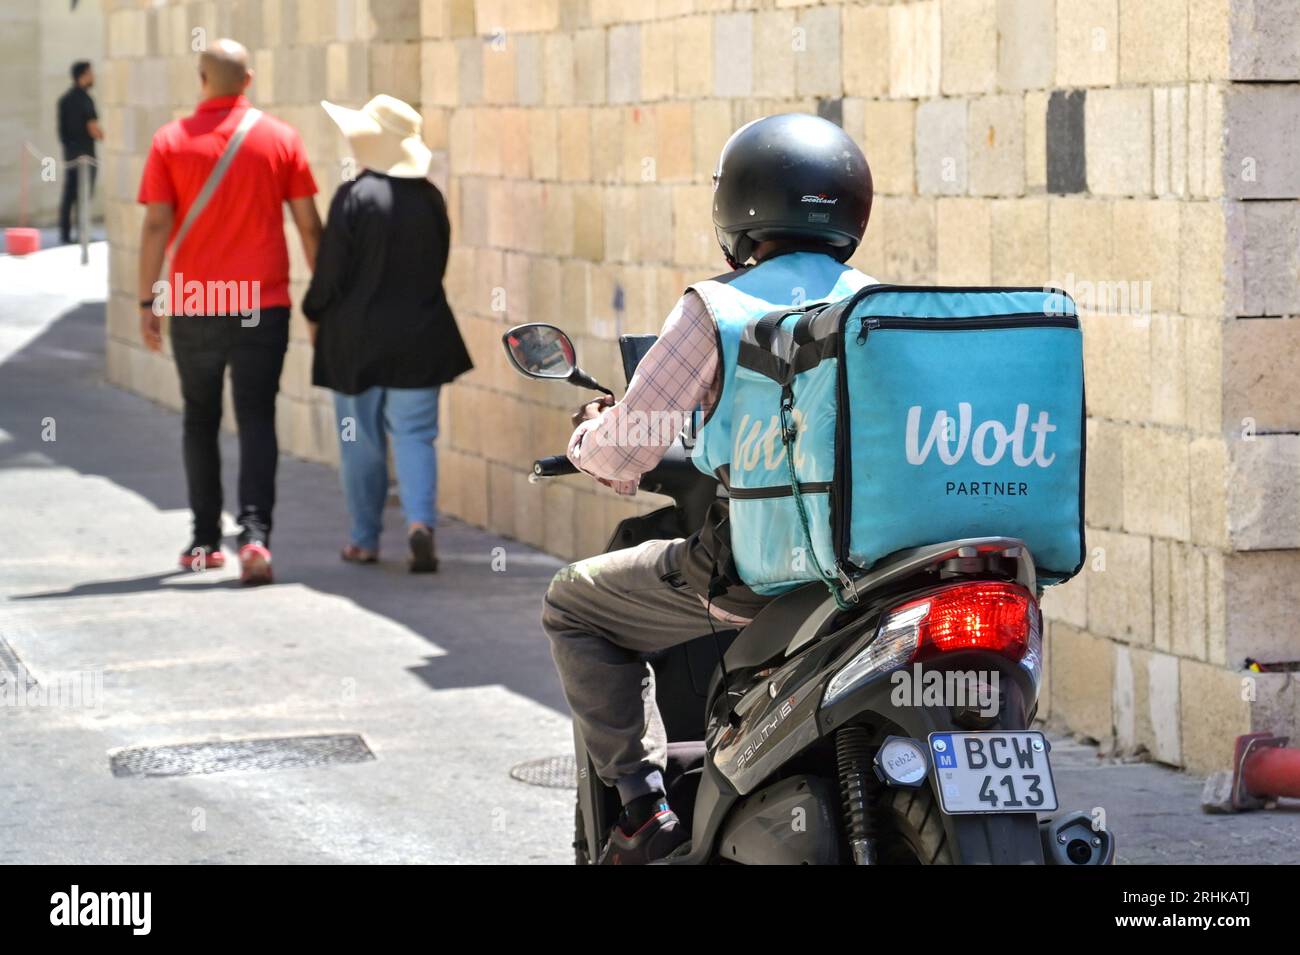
(902, 416)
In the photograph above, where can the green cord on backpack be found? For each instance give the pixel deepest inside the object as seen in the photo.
(788, 435)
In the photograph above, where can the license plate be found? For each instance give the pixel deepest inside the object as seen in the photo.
(993, 772)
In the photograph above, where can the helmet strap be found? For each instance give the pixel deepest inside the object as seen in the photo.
(742, 249)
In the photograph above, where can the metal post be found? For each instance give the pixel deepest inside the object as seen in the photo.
(22, 190)
(83, 205)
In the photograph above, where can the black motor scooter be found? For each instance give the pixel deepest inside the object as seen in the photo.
(885, 724)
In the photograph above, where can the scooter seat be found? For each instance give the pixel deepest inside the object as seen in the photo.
(685, 755)
(769, 633)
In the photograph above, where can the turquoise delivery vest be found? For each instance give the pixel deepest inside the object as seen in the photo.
(745, 422)
(852, 427)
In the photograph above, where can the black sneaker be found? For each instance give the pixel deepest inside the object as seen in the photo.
(657, 839)
(199, 557)
(423, 559)
(252, 530)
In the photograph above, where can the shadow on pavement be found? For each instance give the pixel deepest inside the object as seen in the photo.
(133, 585)
(486, 622)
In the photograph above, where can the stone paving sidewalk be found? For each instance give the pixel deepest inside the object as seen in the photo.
(448, 680)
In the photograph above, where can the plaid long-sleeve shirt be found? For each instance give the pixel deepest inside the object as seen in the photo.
(678, 374)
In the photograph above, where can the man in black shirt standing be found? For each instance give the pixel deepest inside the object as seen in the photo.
(78, 130)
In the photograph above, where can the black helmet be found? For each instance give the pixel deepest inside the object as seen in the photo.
(790, 176)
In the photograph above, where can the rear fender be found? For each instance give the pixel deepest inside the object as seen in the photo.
(994, 838)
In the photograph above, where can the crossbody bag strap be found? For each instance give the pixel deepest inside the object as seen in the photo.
(247, 122)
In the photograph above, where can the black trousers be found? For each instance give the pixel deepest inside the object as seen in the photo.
(69, 201)
(204, 346)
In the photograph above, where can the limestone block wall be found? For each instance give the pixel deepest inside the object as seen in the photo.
(1135, 152)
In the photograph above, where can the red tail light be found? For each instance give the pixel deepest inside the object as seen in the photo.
(988, 615)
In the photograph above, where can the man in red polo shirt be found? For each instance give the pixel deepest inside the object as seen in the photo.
(226, 288)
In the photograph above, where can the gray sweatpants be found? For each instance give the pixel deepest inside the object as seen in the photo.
(600, 613)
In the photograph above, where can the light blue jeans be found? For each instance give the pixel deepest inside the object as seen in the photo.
(410, 416)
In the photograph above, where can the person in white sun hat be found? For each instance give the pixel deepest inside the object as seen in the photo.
(384, 136)
(385, 337)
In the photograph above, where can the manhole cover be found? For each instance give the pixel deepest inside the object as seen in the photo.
(224, 756)
(554, 772)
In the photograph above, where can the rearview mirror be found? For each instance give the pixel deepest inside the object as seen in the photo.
(541, 351)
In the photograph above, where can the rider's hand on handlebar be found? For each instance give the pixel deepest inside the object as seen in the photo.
(591, 409)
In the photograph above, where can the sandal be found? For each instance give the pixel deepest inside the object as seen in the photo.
(353, 554)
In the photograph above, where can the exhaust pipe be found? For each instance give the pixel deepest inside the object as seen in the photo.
(1070, 839)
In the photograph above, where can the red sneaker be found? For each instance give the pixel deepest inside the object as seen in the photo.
(255, 564)
(201, 557)
(657, 839)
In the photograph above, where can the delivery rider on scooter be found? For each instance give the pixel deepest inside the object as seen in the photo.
(792, 196)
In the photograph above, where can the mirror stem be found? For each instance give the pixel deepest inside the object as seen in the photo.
(583, 380)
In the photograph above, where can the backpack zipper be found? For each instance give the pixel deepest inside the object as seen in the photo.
(984, 321)
(867, 325)
(777, 490)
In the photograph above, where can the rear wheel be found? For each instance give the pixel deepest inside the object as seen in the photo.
(912, 831)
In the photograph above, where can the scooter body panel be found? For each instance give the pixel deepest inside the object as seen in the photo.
(791, 822)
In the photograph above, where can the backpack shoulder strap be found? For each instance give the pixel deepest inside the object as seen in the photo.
(246, 122)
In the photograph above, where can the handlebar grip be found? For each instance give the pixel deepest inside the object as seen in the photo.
(553, 466)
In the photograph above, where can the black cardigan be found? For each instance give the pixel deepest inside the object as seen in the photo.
(377, 289)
